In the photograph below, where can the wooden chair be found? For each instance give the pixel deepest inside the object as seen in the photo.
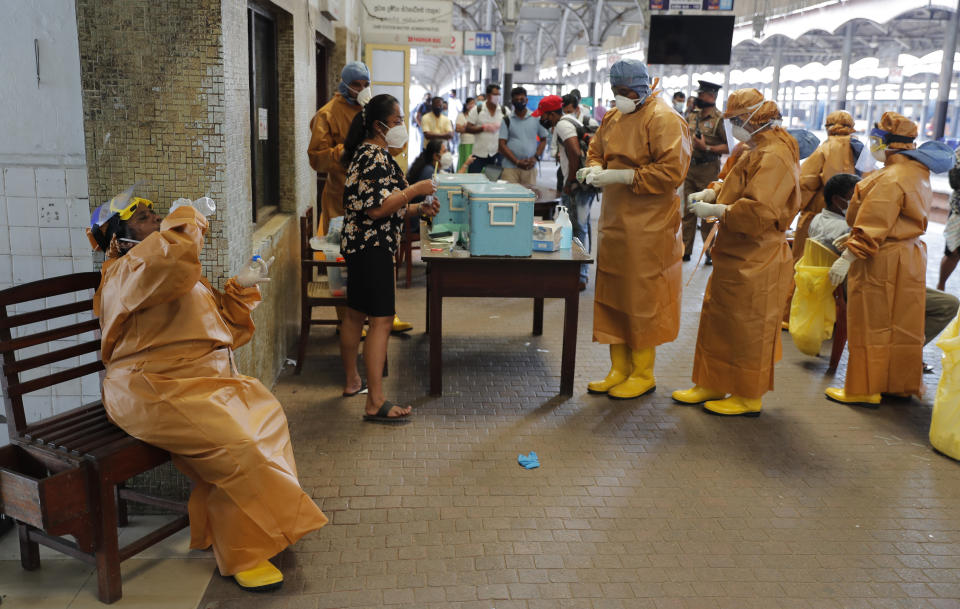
(65, 474)
(314, 288)
(411, 235)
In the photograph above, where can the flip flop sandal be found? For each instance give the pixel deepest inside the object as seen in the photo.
(362, 390)
(382, 415)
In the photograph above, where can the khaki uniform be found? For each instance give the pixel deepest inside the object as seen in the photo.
(704, 168)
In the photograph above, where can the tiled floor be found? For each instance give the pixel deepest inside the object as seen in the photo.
(638, 504)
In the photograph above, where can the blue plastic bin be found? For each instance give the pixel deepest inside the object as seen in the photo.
(453, 204)
(501, 219)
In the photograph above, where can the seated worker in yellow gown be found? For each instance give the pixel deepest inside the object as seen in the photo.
(887, 265)
(639, 157)
(738, 341)
(167, 343)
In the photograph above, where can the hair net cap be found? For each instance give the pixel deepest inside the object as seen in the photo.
(898, 124)
(742, 101)
(807, 142)
(839, 122)
(355, 70)
(631, 73)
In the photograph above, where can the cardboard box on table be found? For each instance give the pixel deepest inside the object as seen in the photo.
(501, 219)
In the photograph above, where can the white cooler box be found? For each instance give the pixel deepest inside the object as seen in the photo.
(501, 219)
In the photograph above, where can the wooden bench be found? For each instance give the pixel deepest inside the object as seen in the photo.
(64, 475)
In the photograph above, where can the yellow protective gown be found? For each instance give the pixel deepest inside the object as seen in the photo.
(738, 341)
(167, 340)
(886, 287)
(830, 158)
(328, 129)
(640, 247)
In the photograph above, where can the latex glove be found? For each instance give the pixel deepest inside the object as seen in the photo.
(708, 196)
(254, 272)
(584, 172)
(841, 242)
(707, 210)
(840, 268)
(606, 177)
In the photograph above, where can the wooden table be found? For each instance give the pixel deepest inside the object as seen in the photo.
(543, 275)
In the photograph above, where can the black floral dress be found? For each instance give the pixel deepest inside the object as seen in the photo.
(372, 176)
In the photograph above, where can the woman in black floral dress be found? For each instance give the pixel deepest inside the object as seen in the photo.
(376, 199)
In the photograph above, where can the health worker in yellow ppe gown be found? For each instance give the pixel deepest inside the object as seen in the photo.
(835, 155)
(639, 157)
(885, 263)
(738, 341)
(167, 343)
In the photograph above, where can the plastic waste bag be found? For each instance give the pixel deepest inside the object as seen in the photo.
(945, 422)
(813, 310)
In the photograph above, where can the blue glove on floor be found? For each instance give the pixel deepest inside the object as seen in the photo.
(529, 461)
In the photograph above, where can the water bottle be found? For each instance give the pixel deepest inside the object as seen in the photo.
(205, 205)
(566, 228)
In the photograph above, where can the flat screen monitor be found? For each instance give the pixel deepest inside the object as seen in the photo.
(690, 39)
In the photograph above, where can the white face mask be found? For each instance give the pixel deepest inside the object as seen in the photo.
(740, 132)
(678, 106)
(446, 159)
(495, 100)
(364, 96)
(396, 136)
(626, 105)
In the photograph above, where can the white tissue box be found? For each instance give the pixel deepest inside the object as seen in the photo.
(546, 236)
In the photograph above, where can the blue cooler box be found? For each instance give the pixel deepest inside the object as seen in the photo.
(453, 203)
(501, 219)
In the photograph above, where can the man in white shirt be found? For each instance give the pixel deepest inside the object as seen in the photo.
(484, 122)
(576, 197)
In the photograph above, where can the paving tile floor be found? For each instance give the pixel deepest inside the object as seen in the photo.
(637, 504)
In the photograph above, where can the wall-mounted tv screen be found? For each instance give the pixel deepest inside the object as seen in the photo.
(690, 39)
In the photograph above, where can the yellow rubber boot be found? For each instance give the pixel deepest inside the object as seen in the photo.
(838, 394)
(400, 326)
(734, 406)
(260, 578)
(641, 381)
(619, 370)
(696, 395)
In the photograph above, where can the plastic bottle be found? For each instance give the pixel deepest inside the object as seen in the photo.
(205, 205)
(566, 228)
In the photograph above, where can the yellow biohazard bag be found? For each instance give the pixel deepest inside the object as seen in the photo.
(945, 423)
(812, 310)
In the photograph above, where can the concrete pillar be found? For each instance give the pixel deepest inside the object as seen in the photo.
(903, 83)
(509, 34)
(777, 64)
(561, 65)
(725, 91)
(924, 109)
(829, 103)
(955, 128)
(871, 101)
(592, 53)
(946, 74)
(793, 103)
(689, 81)
(845, 67)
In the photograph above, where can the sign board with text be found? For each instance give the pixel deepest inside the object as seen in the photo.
(416, 23)
(455, 46)
(479, 43)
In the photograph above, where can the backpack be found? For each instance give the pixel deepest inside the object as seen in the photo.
(584, 136)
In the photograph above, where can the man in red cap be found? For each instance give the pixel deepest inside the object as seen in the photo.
(573, 141)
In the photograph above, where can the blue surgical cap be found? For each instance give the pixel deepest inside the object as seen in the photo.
(807, 142)
(937, 156)
(631, 73)
(355, 70)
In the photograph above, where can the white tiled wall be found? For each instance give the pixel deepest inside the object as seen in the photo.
(43, 214)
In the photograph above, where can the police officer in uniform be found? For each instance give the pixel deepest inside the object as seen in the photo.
(709, 143)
